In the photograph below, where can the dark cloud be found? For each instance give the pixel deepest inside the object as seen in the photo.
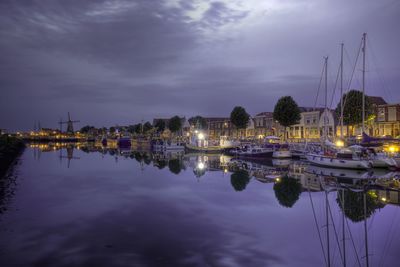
(133, 60)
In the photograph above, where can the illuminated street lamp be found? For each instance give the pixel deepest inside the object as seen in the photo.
(339, 143)
(200, 136)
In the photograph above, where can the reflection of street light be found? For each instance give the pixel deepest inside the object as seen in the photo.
(200, 166)
(200, 136)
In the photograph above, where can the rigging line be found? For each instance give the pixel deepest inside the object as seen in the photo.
(379, 74)
(334, 88)
(352, 72)
(319, 87)
(336, 236)
(351, 235)
(316, 224)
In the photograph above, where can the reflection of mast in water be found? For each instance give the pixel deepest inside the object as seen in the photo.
(328, 213)
(365, 228)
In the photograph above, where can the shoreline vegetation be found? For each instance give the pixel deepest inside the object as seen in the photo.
(10, 149)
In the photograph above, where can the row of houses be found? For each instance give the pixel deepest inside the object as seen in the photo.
(385, 122)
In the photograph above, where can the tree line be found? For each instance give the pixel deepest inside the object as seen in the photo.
(286, 113)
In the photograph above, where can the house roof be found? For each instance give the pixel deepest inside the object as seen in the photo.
(266, 114)
(310, 109)
(216, 119)
(377, 100)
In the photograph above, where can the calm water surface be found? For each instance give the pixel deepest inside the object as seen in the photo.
(97, 209)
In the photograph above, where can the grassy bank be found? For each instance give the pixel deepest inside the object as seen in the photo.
(10, 149)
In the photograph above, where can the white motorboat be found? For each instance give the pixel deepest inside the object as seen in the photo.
(377, 159)
(340, 160)
(380, 160)
(282, 153)
(253, 151)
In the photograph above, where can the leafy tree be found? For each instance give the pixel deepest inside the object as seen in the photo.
(112, 129)
(239, 117)
(354, 204)
(160, 126)
(146, 159)
(352, 111)
(240, 179)
(131, 129)
(147, 127)
(286, 112)
(199, 122)
(86, 129)
(174, 166)
(103, 130)
(137, 128)
(287, 191)
(175, 124)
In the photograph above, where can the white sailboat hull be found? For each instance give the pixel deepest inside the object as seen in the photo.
(281, 154)
(383, 162)
(337, 162)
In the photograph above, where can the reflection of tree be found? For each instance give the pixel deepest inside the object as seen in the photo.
(240, 179)
(174, 166)
(146, 159)
(160, 163)
(287, 191)
(354, 204)
(138, 157)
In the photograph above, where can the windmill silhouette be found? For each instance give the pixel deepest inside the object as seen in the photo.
(70, 124)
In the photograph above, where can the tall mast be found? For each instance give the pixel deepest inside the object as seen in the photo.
(363, 82)
(326, 99)
(341, 91)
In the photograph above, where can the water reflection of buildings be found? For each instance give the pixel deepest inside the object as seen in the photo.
(385, 185)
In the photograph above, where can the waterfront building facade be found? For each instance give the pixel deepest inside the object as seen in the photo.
(264, 125)
(219, 126)
(311, 124)
(387, 120)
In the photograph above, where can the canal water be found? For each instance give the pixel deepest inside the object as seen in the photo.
(96, 207)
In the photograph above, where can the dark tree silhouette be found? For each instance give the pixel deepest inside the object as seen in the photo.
(160, 126)
(286, 112)
(240, 179)
(239, 117)
(147, 127)
(175, 124)
(352, 112)
(287, 191)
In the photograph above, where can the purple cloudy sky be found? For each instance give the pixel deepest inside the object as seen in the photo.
(118, 62)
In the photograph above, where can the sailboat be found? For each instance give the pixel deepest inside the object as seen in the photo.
(377, 160)
(330, 156)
